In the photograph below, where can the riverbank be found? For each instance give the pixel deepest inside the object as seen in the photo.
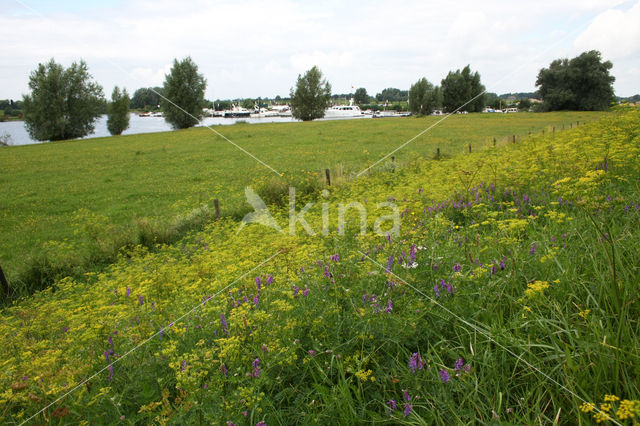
(60, 197)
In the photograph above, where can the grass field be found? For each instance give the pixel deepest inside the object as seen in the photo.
(509, 296)
(68, 206)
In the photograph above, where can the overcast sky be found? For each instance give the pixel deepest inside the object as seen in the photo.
(257, 47)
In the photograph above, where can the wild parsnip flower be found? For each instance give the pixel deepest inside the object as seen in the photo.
(587, 407)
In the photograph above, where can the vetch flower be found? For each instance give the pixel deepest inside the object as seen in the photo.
(306, 291)
(223, 323)
(407, 409)
(406, 395)
(110, 372)
(444, 376)
(416, 362)
(457, 267)
(389, 264)
(128, 291)
(436, 290)
(270, 278)
(258, 283)
(389, 307)
(141, 300)
(392, 405)
(256, 367)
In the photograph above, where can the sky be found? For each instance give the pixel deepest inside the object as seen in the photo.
(257, 48)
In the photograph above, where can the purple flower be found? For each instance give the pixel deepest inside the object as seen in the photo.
(261, 423)
(256, 367)
(416, 362)
(223, 323)
(140, 299)
(406, 395)
(312, 352)
(184, 365)
(258, 283)
(296, 289)
(389, 307)
(256, 299)
(110, 340)
(392, 405)
(335, 258)
(306, 291)
(270, 279)
(458, 365)
(407, 409)
(389, 264)
(436, 290)
(224, 369)
(264, 348)
(110, 372)
(106, 355)
(412, 253)
(128, 291)
(444, 376)
(457, 267)
(389, 238)
(533, 248)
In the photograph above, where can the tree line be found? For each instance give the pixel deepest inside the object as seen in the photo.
(64, 103)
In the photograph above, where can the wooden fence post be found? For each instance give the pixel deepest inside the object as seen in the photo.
(216, 206)
(514, 138)
(4, 283)
(469, 147)
(328, 175)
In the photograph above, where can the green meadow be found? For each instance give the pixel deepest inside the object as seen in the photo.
(507, 294)
(87, 198)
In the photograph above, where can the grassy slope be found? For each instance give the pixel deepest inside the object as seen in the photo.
(159, 175)
(334, 356)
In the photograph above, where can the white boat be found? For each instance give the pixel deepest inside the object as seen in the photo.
(237, 111)
(282, 110)
(264, 113)
(337, 111)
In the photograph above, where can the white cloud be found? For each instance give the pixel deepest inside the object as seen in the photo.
(257, 48)
(615, 33)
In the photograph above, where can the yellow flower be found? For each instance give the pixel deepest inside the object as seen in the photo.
(606, 407)
(584, 314)
(601, 417)
(611, 398)
(587, 407)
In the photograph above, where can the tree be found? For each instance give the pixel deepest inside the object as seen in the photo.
(424, 97)
(146, 98)
(582, 83)
(183, 94)
(524, 104)
(361, 96)
(311, 96)
(118, 111)
(462, 89)
(63, 103)
(392, 94)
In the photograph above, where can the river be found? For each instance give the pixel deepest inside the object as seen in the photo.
(18, 134)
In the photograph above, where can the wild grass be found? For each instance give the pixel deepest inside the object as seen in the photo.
(522, 306)
(140, 185)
